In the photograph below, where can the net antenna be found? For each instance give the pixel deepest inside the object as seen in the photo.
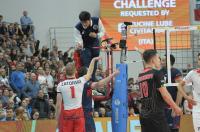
(167, 32)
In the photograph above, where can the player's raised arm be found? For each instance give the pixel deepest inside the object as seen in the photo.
(105, 80)
(91, 68)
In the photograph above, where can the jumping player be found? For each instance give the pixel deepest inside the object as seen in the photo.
(69, 92)
(87, 98)
(154, 95)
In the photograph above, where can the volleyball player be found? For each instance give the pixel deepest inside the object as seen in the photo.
(154, 95)
(69, 92)
(194, 77)
(87, 98)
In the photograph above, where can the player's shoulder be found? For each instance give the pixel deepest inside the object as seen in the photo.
(146, 71)
(191, 72)
(95, 18)
(175, 70)
(158, 73)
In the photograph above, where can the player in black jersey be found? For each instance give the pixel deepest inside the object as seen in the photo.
(154, 95)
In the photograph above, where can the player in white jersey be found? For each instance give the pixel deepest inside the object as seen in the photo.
(194, 78)
(70, 115)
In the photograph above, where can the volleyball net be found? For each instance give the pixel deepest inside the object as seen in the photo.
(183, 42)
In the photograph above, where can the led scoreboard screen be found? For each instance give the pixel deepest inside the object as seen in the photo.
(145, 15)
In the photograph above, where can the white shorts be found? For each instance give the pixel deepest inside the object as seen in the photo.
(196, 121)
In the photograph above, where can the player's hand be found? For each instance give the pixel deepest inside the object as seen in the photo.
(177, 111)
(97, 58)
(116, 72)
(191, 100)
(93, 35)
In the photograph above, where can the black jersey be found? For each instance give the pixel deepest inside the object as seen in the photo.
(150, 80)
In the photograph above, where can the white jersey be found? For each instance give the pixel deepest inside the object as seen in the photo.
(72, 91)
(194, 78)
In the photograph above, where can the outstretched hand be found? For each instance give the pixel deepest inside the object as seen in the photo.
(97, 58)
(177, 111)
(191, 100)
(116, 72)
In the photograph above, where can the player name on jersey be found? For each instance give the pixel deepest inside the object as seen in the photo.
(72, 82)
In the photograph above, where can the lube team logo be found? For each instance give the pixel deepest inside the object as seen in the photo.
(144, 16)
(95, 27)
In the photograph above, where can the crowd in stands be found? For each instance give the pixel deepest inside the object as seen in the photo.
(29, 76)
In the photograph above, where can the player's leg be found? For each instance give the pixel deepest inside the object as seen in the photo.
(68, 121)
(176, 124)
(86, 57)
(196, 121)
(89, 122)
(79, 122)
(168, 116)
(67, 125)
(79, 125)
(155, 123)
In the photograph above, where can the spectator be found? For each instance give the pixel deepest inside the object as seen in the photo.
(52, 115)
(36, 66)
(42, 81)
(3, 62)
(10, 114)
(52, 106)
(46, 65)
(26, 23)
(28, 76)
(18, 79)
(18, 30)
(11, 104)
(14, 98)
(1, 18)
(28, 65)
(26, 110)
(102, 112)
(2, 112)
(41, 105)
(50, 82)
(20, 114)
(53, 74)
(60, 55)
(131, 112)
(3, 28)
(11, 30)
(96, 114)
(32, 87)
(35, 115)
(27, 49)
(45, 52)
(5, 97)
(3, 78)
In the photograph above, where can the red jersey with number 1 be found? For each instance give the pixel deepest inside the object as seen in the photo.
(72, 91)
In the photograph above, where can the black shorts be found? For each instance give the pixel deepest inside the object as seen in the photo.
(154, 124)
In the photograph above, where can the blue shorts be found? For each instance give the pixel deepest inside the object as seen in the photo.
(173, 122)
(89, 122)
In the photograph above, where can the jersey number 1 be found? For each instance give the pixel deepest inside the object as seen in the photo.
(72, 91)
